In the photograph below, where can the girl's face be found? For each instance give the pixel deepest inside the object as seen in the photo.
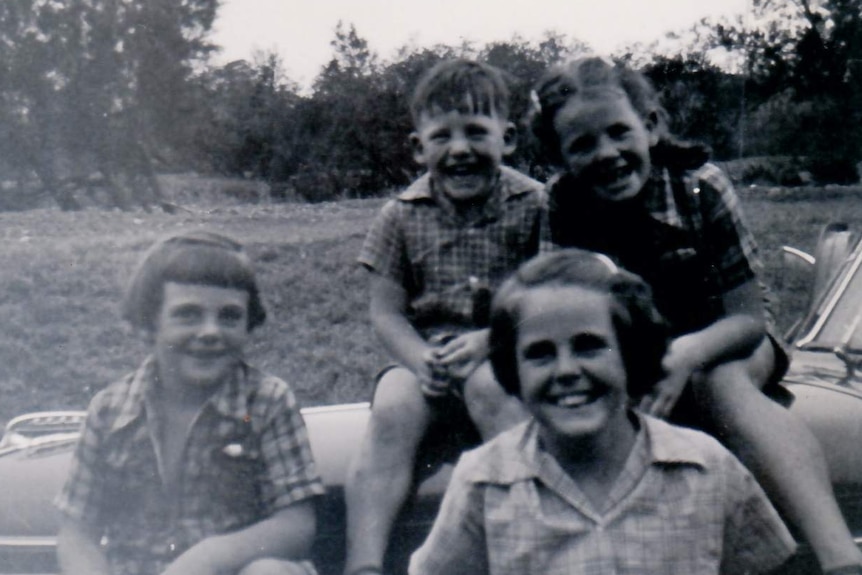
(200, 334)
(570, 369)
(605, 144)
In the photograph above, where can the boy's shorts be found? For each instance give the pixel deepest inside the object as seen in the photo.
(450, 433)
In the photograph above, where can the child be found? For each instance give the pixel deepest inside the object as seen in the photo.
(631, 191)
(196, 462)
(588, 485)
(452, 236)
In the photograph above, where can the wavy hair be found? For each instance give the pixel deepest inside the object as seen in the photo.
(641, 331)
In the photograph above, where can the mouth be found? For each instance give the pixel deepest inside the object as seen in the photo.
(463, 170)
(615, 176)
(575, 399)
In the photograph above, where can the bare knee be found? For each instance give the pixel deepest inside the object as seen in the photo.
(272, 566)
(490, 407)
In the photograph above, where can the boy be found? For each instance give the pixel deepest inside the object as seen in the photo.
(196, 462)
(451, 237)
(589, 485)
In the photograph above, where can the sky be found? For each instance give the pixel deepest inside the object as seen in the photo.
(300, 31)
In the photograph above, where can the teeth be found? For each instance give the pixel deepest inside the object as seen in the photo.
(572, 400)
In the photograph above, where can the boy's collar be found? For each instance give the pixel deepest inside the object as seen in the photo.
(227, 399)
(507, 186)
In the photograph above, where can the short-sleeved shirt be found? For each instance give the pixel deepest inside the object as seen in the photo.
(422, 243)
(682, 505)
(684, 234)
(246, 456)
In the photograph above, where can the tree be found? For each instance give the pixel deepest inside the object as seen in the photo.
(93, 87)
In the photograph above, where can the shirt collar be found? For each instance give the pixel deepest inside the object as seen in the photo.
(510, 183)
(664, 442)
(229, 399)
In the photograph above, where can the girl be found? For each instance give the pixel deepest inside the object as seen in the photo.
(588, 486)
(631, 191)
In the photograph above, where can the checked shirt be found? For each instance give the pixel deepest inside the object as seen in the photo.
(246, 456)
(424, 245)
(683, 505)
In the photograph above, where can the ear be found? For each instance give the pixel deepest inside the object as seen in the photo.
(510, 138)
(652, 124)
(418, 148)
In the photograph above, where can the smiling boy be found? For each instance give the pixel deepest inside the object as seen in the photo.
(196, 462)
(435, 252)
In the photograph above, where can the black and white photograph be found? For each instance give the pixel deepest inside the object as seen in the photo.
(380, 287)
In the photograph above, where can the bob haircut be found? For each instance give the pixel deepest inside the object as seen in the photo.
(595, 76)
(463, 85)
(641, 331)
(199, 258)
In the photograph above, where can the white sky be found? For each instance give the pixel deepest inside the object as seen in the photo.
(301, 30)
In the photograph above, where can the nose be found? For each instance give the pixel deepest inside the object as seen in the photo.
(210, 329)
(568, 366)
(459, 145)
(606, 149)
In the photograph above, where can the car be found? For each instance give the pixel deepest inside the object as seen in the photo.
(825, 379)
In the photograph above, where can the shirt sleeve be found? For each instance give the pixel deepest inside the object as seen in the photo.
(289, 471)
(755, 538)
(383, 250)
(456, 544)
(82, 496)
(730, 243)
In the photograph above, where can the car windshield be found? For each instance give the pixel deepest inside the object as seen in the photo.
(837, 321)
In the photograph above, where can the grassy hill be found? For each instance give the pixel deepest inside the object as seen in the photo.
(63, 274)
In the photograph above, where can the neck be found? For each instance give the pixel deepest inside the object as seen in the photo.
(598, 456)
(180, 393)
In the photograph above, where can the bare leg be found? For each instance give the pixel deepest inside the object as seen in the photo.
(780, 451)
(491, 408)
(380, 476)
(277, 567)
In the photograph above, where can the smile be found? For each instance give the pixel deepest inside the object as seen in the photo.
(575, 399)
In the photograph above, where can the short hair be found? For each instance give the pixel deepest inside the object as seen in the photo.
(463, 85)
(196, 257)
(641, 331)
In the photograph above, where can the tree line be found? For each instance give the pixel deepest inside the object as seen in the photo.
(99, 96)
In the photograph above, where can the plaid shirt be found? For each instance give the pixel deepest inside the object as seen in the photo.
(246, 456)
(682, 505)
(422, 243)
(686, 237)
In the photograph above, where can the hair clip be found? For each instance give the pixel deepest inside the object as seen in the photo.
(535, 103)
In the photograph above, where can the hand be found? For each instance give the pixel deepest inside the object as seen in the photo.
(679, 367)
(462, 355)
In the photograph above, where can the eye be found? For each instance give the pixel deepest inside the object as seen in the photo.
(588, 344)
(618, 131)
(476, 132)
(539, 351)
(439, 135)
(186, 313)
(580, 145)
(232, 315)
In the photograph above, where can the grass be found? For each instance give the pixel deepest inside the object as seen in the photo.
(63, 274)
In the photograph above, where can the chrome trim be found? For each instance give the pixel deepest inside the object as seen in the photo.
(338, 407)
(804, 256)
(833, 301)
(28, 542)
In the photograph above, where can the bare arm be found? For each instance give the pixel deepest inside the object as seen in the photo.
(735, 335)
(287, 534)
(78, 550)
(388, 317)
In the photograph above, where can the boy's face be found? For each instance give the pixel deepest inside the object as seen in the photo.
(462, 151)
(569, 365)
(605, 144)
(200, 333)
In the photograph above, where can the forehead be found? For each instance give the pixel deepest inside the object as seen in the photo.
(561, 311)
(596, 110)
(180, 294)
